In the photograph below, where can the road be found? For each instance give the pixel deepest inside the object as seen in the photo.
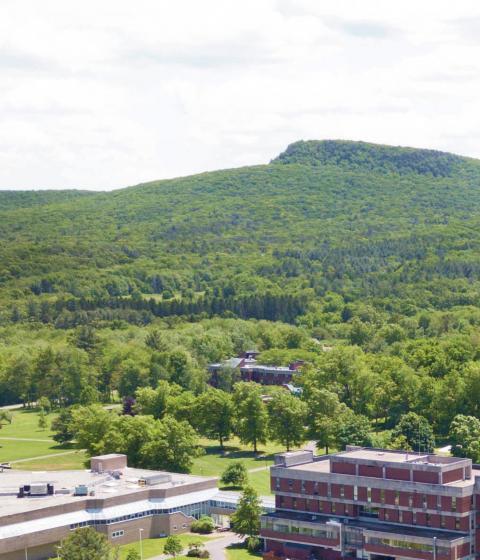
(216, 546)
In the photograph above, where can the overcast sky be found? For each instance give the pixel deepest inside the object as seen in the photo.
(107, 93)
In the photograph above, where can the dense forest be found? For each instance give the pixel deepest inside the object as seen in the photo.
(362, 260)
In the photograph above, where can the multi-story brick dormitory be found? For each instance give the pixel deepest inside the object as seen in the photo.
(251, 370)
(372, 503)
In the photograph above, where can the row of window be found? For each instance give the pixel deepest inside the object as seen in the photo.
(293, 529)
(117, 534)
(371, 512)
(369, 494)
(192, 510)
(407, 545)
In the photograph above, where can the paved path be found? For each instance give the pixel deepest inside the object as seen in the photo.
(257, 469)
(26, 439)
(11, 407)
(49, 456)
(216, 546)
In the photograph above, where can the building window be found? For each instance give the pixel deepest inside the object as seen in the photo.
(397, 497)
(347, 509)
(303, 487)
(410, 501)
(342, 491)
(439, 502)
(382, 496)
(175, 527)
(355, 492)
(315, 488)
(290, 483)
(277, 483)
(117, 534)
(386, 515)
(184, 526)
(454, 503)
(334, 507)
(414, 518)
(428, 519)
(369, 495)
(442, 522)
(294, 503)
(320, 506)
(424, 501)
(329, 490)
(307, 504)
(457, 523)
(400, 516)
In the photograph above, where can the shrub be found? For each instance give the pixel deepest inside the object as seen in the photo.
(203, 525)
(253, 544)
(235, 475)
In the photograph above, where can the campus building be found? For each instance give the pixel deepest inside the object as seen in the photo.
(251, 370)
(373, 504)
(39, 509)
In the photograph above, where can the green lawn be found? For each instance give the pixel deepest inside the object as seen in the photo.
(237, 552)
(153, 547)
(214, 462)
(24, 428)
(260, 480)
(78, 460)
(25, 425)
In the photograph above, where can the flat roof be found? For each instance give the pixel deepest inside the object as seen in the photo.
(322, 465)
(103, 484)
(382, 455)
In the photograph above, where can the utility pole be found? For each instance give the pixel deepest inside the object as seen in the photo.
(140, 530)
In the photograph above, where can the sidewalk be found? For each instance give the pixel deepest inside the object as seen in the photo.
(216, 546)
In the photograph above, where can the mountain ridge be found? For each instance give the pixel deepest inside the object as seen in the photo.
(288, 227)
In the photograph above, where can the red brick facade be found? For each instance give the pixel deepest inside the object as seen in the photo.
(372, 503)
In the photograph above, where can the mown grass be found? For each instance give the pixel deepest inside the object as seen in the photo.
(215, 461)
(35, 442)
(240, 552)
(154, 547)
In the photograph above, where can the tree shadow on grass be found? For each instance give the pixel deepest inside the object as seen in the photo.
(236, 454)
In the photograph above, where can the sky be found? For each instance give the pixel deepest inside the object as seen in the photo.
(108, 93)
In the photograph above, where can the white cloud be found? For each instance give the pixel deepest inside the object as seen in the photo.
(106, 94)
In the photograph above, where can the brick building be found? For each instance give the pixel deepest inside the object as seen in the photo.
(373, 504)
(251, 370)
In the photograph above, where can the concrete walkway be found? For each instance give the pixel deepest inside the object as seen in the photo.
(51, 455)
(216, 546)
(26, 439)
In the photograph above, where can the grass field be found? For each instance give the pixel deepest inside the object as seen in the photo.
(214, 462)
(153, 547)
(260, 480)
(240, 552)
(23, 439)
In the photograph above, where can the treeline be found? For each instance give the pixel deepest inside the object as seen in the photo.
(138, 310)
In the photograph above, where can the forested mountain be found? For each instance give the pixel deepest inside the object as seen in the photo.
(396, 226)
(373, 250)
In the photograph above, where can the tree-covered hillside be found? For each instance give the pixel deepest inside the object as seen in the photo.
(396, 226)
(362, 260)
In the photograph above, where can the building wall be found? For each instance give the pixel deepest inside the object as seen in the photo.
(41, 545)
